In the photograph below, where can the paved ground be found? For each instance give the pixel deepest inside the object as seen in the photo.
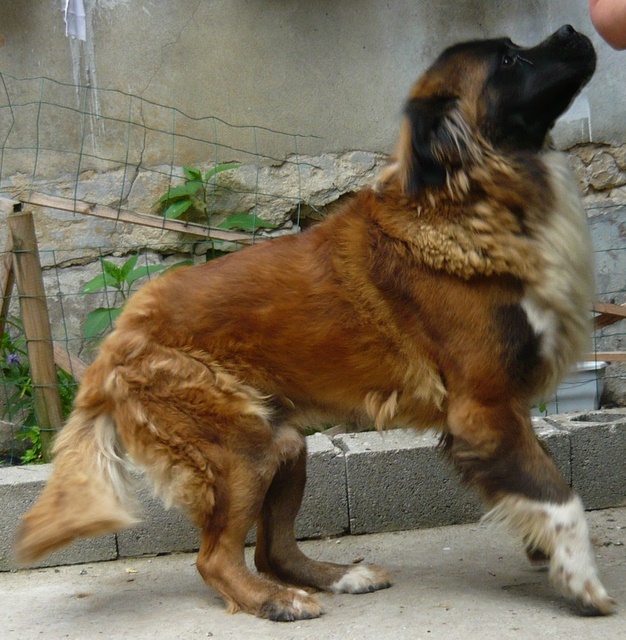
(461, 582)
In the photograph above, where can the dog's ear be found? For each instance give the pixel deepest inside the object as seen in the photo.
(429, 143)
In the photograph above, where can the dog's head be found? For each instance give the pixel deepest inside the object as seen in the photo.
(488, 93)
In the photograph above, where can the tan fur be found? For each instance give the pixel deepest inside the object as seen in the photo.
(449, 305)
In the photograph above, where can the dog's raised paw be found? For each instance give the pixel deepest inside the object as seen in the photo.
(595, 601)
(289, 605)
(362, 578)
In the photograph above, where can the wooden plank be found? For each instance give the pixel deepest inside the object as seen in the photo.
(34, 311)
(607, 356)
(146, 220)
(609, 314)
(66, 361)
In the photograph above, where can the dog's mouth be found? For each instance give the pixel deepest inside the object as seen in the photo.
(569, 47)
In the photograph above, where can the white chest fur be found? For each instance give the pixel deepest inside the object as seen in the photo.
(558, 305)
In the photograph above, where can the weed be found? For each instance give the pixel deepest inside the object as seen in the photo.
(120, 280)
(195, 194)
(19, 405)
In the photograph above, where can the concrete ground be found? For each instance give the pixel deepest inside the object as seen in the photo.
(456, 582)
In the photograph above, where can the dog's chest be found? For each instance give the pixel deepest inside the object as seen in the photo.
(558, 302)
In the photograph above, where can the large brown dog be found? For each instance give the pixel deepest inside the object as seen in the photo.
(453, 294)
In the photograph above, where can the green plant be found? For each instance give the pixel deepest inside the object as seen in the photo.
(33, 454)
(19, 403)
(16, 373)
(120, 280)
(195, 192)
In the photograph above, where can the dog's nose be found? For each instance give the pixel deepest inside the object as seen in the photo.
(566, 31)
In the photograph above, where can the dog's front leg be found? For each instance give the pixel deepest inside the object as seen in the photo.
(496, 449)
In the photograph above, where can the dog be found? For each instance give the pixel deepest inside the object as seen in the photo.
(452, 294)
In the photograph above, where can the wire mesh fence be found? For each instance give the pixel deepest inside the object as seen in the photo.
(124, 189)
(107, 147)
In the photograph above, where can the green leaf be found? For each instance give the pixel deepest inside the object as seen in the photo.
(113, 272)
(225, 166)
(102, 281)
(176, 209)
(180, 263)
(100, 319)
(191, 173)
(245, 222)
(181, 191)
(128, 266)
(141, 272)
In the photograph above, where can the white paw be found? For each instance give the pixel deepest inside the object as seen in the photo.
(362, 578)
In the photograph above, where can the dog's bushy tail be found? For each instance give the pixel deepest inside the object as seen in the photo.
(87, 493)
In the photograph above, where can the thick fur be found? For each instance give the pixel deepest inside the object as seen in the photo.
(453, 294)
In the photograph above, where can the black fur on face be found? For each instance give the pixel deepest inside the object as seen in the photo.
(507, 95)
(528, 89)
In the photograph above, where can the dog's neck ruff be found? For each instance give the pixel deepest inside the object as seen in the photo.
(521, 218)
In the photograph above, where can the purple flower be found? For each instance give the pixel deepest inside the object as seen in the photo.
(12, 359)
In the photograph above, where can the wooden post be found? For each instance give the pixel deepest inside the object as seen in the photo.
(34, 311)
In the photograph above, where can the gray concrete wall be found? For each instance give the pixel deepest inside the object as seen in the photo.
(339, 69)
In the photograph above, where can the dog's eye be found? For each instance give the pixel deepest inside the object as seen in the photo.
(508, 60)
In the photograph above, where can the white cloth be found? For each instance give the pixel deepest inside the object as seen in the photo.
(75, 19)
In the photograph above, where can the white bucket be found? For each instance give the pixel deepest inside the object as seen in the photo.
(580, 390)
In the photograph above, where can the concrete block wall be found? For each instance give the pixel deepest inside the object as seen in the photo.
(357, 483)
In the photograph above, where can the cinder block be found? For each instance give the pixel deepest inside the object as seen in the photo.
(397, 480)
(324, 509)
(558, 443)
(19, 488)
(598, 440)
(160, 530)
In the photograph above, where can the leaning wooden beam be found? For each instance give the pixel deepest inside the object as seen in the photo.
(66, 361)
(146, 220)
(7, 275)
(609, 314)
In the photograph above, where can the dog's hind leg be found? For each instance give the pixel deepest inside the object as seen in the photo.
(221, 560)
(496, 449)
(277, 552)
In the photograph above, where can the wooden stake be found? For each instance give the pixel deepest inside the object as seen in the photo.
(34, 311)
(7, 277)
